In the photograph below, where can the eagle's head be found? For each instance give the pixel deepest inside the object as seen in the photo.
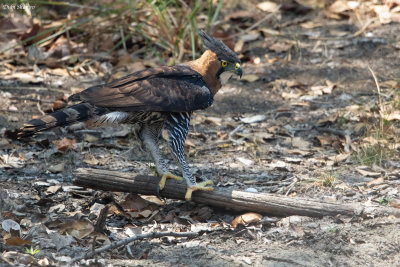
(230, 63)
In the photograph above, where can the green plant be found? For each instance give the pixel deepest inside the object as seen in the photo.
(332, 228)
(328, 181)
(161, 26)
(32, 251)
(383, 131)
(384, 201)
(373, 154)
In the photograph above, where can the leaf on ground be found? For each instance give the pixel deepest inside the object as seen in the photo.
(91, 160)
(339, 157)
(65, 144)
(250, 37)
(299, 152)
(376, 181)
(291, 95)
(310, 25)
(61, 241)
(146, 213)
(131, 230)
(134, 202)
(24, 77)
(299, 104)
(323, 89)
(268, 6)
(368, 173)
(393, 116)
(253, 119)
(383, 13)
(52, 189)
(78, 228)
(371, 140)
(9, 161)
(390, 84)
(90, 138)
(271, 60)
(189, 143)
(213, 120)
(278, 164)
(239, 46)
(257, 137)
(247, 162)
(293, 160)
(299, 142)
(17, 241)
(328, 120)
(325, 140)
(246, 218)
(44, 262)
(241, 15)
(280, 47)
(394, 203)
(153, 199)
(341, 6)
(57, 208)
(9, 225)
(250, 78)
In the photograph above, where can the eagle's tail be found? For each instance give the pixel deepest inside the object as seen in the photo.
(63, 117)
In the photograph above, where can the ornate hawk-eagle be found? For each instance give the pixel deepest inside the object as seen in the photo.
(153, 99)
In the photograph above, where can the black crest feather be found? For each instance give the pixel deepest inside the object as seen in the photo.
(222, 51)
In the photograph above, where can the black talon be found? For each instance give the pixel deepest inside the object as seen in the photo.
(158, 192)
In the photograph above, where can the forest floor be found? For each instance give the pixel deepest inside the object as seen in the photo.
(306, 120)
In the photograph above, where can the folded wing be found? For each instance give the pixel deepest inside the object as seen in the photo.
(171, 89)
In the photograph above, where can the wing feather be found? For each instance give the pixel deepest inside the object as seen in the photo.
(173, 89)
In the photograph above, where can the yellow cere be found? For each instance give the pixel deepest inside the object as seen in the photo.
(237, 66)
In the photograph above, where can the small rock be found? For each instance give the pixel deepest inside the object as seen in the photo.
(251, 190)
(56, 168)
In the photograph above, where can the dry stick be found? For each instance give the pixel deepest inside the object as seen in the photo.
(126, 241)
(272, 204)
(363, 28)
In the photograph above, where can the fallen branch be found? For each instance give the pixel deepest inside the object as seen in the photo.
(126, 241)
(272, 204)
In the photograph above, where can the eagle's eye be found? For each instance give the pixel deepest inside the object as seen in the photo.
(224, 64)
(237, 66)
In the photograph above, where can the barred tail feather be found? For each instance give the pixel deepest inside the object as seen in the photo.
(66, 116)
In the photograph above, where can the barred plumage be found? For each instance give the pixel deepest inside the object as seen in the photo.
(177, 125)
(153, 99)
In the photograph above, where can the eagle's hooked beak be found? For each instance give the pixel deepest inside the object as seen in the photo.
(238, 70)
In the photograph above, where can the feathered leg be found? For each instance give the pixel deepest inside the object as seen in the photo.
(150, 135)
(177, 126)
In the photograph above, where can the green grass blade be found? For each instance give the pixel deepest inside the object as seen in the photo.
(214, 18)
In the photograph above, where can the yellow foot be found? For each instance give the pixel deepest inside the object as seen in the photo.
(164, 178)
(199, 186)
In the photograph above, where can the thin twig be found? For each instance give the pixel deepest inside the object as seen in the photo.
(31, 99)
(363, 28)
(250, 28)
(131, 239)
(231, 134)
(378, 88)
(40, 109)
(34, 88)
(291, 186)
(15, 111)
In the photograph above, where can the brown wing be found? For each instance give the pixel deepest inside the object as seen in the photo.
(174, 89)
